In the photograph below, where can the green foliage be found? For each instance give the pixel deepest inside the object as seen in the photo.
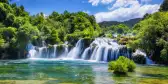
(116, 29)
(164, 55)
(19, 21)
(122, 65)
(9, 20)
(26, 34)
(4, 1)
(131, 66)
(53, 39)
(8, 33)
(2, 42)
(3, 12)
(17, 28)
(109, 35)
(164, 6)
(152, 36)
(129, 23)
(120, 29)
(124, 40)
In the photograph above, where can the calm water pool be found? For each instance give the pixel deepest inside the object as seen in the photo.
(75, 72)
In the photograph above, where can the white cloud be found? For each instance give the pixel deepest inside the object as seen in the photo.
(96, 2)
(123, 10)
(124, 3)
(106, 1)
(86, 11)
(123, 14)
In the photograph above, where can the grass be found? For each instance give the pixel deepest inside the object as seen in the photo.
(152, 81)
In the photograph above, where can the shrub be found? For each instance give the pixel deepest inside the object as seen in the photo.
(122, 65)
(131, 66)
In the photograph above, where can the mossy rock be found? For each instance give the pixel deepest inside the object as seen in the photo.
(87, 41)
(70, 46)
(140, 59)
(60, 49)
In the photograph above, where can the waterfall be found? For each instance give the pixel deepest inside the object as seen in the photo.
(94, 53)
(105, 54)
(85, 54)
(41, 52)
(65, 51)
(55, 51)
(101, 49)
(31, 50)
(77, 50)
(99, 53)
(32, 53)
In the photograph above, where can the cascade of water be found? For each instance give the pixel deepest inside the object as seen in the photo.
(65, 51)
(31, 50)
(112, 57)
(40, 55)
(77, 50)
(94, 53)
(32, 53)
(85, 53)
(101, 49)
(43, 44)
(55, 51)
(99, 53)
(105, 54)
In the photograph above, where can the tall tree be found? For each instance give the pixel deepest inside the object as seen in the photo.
(4, 1)
(164, 6)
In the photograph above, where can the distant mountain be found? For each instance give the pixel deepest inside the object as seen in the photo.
(129, 23)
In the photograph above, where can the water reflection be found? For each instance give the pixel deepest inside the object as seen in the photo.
(78, 72)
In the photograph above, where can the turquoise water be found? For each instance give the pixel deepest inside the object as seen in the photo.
(75, 72)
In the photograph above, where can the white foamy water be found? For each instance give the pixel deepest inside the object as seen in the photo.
(101, 49)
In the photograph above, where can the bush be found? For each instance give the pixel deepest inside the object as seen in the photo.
(122, 65)
(131, 66)
(164, 56)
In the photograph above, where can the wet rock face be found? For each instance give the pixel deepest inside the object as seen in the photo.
(139, 57)
(87, 42)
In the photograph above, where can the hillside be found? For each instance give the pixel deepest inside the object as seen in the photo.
(129, 23)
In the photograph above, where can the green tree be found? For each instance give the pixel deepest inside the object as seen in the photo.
(3, 12)
(164, 6)
(53, 39)
(26, 34)
(9, 21)
(4, 1)
(18, 28)
(152, 36)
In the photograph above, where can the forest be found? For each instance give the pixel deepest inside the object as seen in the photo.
(18, 28)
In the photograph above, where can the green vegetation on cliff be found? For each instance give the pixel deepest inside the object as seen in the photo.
(18, 28)
(152, 33)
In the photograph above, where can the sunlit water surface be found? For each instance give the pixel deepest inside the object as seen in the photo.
(43, 71)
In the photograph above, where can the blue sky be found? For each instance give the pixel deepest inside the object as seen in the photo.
(104, 10)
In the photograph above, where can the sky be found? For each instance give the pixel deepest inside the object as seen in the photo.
(103, 10)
